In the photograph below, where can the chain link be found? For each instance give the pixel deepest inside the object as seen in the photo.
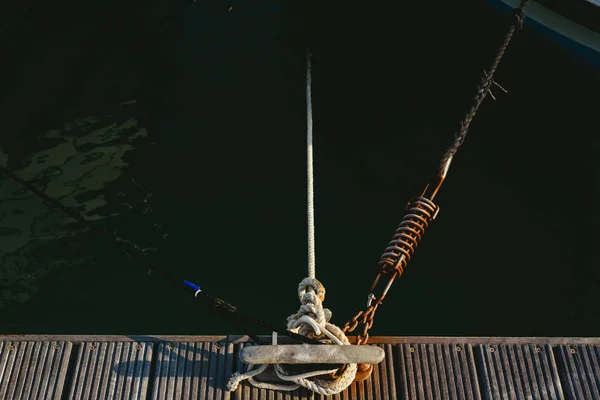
(366, 317)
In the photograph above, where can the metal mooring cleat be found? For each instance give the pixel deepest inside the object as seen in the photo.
(327, 368)
(312, 354)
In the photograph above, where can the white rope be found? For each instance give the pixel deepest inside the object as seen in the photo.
(311, 320)
(309, 165)
(288, 385)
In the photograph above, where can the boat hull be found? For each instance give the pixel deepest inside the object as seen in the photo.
(562, 29)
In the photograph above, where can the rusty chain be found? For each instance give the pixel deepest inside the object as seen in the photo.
(419, 212)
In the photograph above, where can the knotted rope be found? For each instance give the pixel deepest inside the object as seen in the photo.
(311, 320)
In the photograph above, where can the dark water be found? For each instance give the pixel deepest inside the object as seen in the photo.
(181, 127)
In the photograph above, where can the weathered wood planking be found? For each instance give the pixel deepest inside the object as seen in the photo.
(381, 385)
(33, 370)
(169, 368)
(520, 372)
(579, 367)
(107, 370)
(437, 371)
(191, 370)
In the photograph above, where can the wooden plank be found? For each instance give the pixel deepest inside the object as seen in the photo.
(375, 379)
(438, 368)
(436, 371)
(478, 340)
(204, 384)
(212, 370)
(114, 338)
(239, 367)
(385, 371)
(229, 367)
(554, 341)
(519, 372)
(579, 368)
(192, 370)
(30, 370)
(111, 370)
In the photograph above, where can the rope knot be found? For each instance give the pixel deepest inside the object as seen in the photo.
(519, 14)
(311, 285)
(311, 320)
(311, 314)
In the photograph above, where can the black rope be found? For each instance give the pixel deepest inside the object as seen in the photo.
(484, 86)
(216, 304)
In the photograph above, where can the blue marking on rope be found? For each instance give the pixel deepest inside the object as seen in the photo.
(192, 285)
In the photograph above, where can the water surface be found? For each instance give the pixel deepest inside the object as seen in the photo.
(187, 138)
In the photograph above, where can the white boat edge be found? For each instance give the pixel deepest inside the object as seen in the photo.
(560, 24)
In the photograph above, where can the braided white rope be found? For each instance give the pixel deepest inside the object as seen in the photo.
(311, 320)
(309, 171)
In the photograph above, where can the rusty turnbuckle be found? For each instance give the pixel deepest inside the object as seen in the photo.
(419, 212)
(422, 210)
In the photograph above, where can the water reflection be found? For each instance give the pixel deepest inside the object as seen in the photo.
(72, 164)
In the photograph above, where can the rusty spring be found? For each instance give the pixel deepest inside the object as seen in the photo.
(418, 213)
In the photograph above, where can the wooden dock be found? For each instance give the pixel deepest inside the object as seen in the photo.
(198, 367)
